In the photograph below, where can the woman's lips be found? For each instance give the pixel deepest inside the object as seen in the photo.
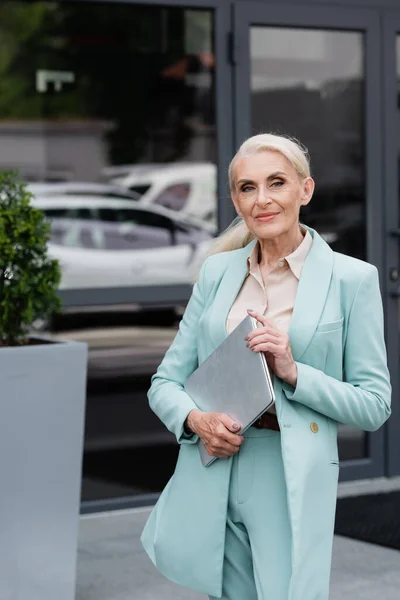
(266, 217)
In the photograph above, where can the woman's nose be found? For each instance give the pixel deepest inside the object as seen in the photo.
(262, 197)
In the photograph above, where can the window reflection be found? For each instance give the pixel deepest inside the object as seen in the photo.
(107, 226)
(309, 84)
(106, 100)
(107, 111)
(174, 196)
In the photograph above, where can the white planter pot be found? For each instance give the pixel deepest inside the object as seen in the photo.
(42, 414)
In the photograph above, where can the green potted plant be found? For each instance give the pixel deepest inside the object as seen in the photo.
(42, 405)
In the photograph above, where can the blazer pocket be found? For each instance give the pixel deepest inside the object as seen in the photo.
(331, 326)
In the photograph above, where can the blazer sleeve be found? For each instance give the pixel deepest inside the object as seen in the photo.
(167, 397)
(364, 398)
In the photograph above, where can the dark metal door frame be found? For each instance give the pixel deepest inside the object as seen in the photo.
(391, 149)
(247, 14)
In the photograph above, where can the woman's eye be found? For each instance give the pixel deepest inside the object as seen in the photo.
(277, 184)
(247, 188)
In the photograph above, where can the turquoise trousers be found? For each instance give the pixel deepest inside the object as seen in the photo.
(257, 560)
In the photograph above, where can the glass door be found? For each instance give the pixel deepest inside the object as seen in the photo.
(391, 78)
(108, 112)
(311, 73)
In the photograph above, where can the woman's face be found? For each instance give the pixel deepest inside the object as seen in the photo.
(268, 193)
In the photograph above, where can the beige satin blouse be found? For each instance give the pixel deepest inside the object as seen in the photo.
(275, 295)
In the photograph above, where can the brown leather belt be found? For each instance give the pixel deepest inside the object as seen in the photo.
(267, 421)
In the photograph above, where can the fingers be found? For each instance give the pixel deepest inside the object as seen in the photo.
(220, 448)
(257, 315)
(216, 431)
(224, 436)
(276, 350)
(217, 437)
(267, 343)
(229, 422)
(223, 431)
(267, 339)
(261, 318)
(259, 333)
(267, 326)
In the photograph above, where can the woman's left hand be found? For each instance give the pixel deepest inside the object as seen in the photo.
(276, 346)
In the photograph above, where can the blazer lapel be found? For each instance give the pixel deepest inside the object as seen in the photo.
(310, 299)
(311, 295)
(231, 282)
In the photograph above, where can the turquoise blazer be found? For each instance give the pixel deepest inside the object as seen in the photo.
(337, 340)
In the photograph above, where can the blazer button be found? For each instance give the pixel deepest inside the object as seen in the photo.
(314, 427)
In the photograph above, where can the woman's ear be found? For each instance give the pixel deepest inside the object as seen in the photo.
(308, 190)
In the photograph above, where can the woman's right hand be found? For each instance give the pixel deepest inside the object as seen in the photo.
(217, 431)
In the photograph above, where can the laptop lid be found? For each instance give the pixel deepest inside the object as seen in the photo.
(233, 380)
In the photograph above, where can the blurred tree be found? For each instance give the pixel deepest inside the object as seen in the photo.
(120, 55)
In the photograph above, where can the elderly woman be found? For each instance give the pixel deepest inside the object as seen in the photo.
(258, 523)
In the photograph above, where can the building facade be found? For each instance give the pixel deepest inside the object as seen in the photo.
(123, 116)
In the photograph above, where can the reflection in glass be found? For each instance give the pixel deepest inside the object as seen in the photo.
(398, 87)
(137, 234)
(109, 100)
(107, 110)
(309, 84)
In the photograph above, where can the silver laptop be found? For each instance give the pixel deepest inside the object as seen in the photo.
(233, 380)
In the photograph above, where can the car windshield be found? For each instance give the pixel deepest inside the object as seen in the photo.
(140, 188)
(100, 235)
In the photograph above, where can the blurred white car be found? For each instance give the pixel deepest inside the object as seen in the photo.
(81, 188)
(189, 188)
(110, 243)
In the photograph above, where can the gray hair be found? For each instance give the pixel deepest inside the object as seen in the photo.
(237, 234)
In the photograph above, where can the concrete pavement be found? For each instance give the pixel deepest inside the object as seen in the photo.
(113, 566)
